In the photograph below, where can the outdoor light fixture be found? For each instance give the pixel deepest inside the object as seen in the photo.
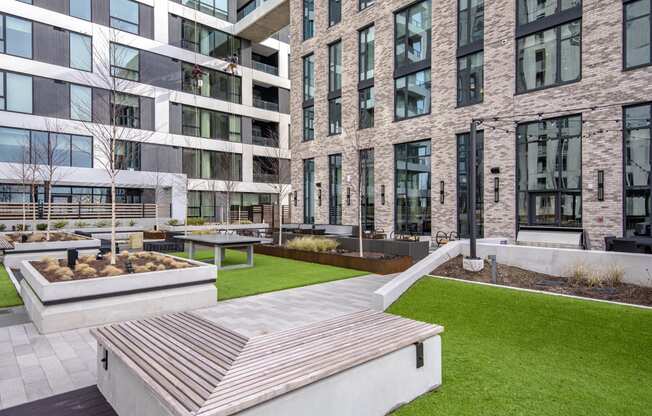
(496, 189)
(296, 197)
(382, 194)
(130, 267)
(601, 185)
(319, 197)
(441, 192)
(348, 196)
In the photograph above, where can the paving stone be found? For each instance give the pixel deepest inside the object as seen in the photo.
(38, 390)
(6, 346)
(18, 335)
(12, 392)
(8, 372)
(27, 360)
(23, 350)
(73, 365)
(83, 379)
(33, 374)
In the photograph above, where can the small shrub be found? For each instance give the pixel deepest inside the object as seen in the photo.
(196, 221)
(81, 224)
(179, 265)
(102, 224)
(64, 273)
(2, 227)
(51, 268)
(124, 253)
(60, 225)
(88, 272)
(578, 274)
(173, 222)
(168, 261)
(141, 269)
(111, 271)
(613, 275)
(20, 227)
(132, 223)
(81, 266)
(118, 223)
(314, 244)
(150, 266)
(49, 259)
(35, 238)
(160, 267)
(41, 227)
(86, 259)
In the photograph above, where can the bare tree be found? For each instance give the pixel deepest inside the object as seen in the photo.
(231, 177)
(271, 169)
(115, 116)
(26, 171)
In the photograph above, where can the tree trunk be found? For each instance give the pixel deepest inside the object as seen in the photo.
(47, 229)
(113, 250)
(280, 221)
(34, 211)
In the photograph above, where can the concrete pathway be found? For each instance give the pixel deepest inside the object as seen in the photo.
(34, 366)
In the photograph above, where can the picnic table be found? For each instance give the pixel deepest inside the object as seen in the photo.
(220, 242)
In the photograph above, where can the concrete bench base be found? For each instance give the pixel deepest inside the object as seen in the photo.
(93, 312)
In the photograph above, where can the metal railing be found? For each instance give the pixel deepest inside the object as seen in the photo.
(263, 140)
(261, 66)
(14, 211)
(265, 105)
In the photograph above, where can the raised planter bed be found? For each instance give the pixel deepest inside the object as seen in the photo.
(389, 265)
(64, 305)
(58, 241)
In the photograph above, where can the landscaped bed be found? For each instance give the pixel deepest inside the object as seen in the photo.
(605, 284)
(88, 267)
(510, 352)
(39, 237)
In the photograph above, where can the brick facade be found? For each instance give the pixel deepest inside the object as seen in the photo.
(603, 82)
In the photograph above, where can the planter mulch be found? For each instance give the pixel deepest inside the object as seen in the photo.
(377, 263)
(140, 264)
(517, 277)
(39, 237)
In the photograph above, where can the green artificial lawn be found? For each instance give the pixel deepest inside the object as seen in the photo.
(269, 274)
(8, 295)
(514, 353)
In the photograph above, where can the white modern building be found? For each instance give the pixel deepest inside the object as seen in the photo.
(198, 92)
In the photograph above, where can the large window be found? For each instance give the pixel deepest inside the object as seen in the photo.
(530, 11)
(217, 8)
(308, 77)
(40, 147)
(367, 185)
(309, 123)
(363, 4)
(210, 83)
(81, 102)
(210, 124)
(412, 95)
(470, 88)
(637, 34)
(412, 31)
(208, 41)
(638, 157)
(334, 12)
(335, 66)
(366, 105)
(463, 184)
(15, 92)
(412, 187)
(549, 172)
(470, 22)
(124, 15)
(125, 109)
(309, 191)
(550, 57)
(335, 189)
(335, 116)
(366, 54)
(16, 36)
(127, 155)
(81, 9)
(208, 164)
(125, 62)
(81, 52)
(308, 19)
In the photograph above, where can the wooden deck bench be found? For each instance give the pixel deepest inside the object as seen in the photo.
(366, 363)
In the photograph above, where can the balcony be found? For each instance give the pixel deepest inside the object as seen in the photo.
(265, 97)
(261, 66)
(260, 19)
(265, 105)
(264, 133)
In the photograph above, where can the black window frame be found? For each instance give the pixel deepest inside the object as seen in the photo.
(3, 36)
(366, 174)
(335, 206)
(116, 69)
(462, 149)
(90, 19)
(632, 188)
(132, 158)
(308, 131)
(429, 82)
(624, 31)
(120, 20)
(133, 121)
(90, 113)
(233, 94)
(309, 194)
(90, 52)
(185, 128)
(308, 76)
(334, 51)
(471, 46)
(463, 81)
(308, 21)
(366, 114)
(334, 12)
(425, 228)
(335, 116)
(365, 4)
(405, 69)
(363, 53)
(3, 80)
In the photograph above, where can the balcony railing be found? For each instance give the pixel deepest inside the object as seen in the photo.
(261, 66)
(265, 105)
(263, 140)
(266, 177)
(14, 211)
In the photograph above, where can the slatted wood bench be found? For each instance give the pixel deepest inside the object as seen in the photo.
(365, 363)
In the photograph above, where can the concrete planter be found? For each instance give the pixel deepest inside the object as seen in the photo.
(81, 243)
(378, 266)
(61, 306)
(213, 227)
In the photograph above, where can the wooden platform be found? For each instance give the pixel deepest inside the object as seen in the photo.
(83, 402)
(197, 367)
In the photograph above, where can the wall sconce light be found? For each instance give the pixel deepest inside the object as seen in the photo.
(496, 189)
(296, 197)
(601, 185)
(382, 194)
(348, 196)
(441, 192)
(319, 197)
